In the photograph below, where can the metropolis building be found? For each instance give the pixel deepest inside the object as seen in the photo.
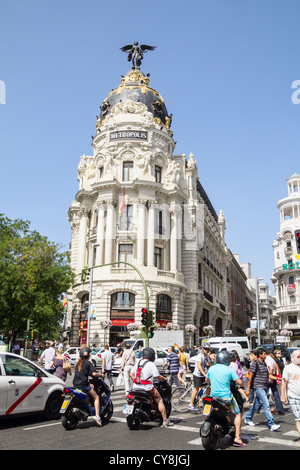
(140, 203)
(286, 275)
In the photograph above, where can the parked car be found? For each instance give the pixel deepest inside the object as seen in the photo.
(72, 354)
(27, 388)
(96, 355)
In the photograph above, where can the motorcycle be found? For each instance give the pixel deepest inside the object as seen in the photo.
(78, 405)
(141, 408)
(219, 419)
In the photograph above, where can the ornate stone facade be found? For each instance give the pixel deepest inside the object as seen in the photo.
(138, 202)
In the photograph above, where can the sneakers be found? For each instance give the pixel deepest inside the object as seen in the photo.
(274, 427)
(167, 423)
(193, 408)
(250, 423)
(97, 420)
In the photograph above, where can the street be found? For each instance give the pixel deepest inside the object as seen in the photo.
(34, 433)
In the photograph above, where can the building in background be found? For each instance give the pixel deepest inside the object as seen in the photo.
(286, 275)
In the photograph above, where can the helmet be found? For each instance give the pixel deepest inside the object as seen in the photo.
(149, 353)
(223, 357)
(84, 353)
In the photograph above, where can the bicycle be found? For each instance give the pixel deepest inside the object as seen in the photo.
(181, 396)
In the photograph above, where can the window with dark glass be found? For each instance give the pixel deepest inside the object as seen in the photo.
(158, 257)
(125, 253)
(127, 171)
(122, 300)
(126, 218)
(157, 174)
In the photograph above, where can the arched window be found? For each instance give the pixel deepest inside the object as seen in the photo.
(292, 300)
(122, 300)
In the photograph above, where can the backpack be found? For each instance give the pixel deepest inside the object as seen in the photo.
(138, 379)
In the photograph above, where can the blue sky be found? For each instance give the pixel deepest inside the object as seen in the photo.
(224, 67)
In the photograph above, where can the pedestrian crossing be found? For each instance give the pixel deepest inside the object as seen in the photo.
(183, 424)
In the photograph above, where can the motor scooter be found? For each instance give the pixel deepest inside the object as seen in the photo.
(141, 408)
(79, 405)
(219, 419)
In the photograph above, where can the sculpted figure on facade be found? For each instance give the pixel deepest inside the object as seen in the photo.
(172, 173)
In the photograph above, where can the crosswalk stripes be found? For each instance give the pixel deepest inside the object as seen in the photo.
(181, 424)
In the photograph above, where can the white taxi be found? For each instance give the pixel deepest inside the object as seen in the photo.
(26, 388)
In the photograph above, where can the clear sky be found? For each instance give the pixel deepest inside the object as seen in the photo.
(225, 69)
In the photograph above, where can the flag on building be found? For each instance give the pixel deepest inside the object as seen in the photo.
(65, 303)
(122, 205)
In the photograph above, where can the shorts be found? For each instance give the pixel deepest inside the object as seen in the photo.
(154, 394)
(199, 381)
(295, 407)
(86, 389)
(233, 406)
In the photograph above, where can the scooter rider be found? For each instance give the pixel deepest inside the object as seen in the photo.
(83, 370)
(220, 376)
(143, 374)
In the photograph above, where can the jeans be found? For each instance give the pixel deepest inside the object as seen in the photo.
(109, 378)
(279, 405)
(261, 400)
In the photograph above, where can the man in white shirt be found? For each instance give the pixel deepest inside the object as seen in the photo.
(107, 362)
(202, 362)
(48, 355)
(290, 387)
(143, 374)
(272, 384)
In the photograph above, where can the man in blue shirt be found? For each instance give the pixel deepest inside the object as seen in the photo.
(219, 376)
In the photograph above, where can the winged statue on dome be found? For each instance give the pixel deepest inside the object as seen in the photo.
(136, 53)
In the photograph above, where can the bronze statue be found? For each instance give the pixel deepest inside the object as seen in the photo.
(135, 53)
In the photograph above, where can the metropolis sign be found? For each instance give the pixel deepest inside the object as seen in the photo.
(140, 135)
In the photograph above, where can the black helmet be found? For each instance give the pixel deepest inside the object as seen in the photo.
(149, 353)
(223, 357)
(84, 353)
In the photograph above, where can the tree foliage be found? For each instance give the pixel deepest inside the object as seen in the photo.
(34, 274)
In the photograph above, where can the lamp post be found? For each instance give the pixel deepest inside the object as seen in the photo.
(257, 309)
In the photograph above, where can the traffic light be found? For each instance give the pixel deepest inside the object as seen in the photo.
(85, 274)
(297, 238)
(144, 316)
(151, 332)
(31, 324)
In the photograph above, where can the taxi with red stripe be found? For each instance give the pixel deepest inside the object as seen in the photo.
(26, 388)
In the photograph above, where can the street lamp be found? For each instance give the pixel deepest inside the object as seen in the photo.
(257, 309)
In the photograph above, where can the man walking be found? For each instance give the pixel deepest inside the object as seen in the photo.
(258, 379)
(202, 363)
(107, 362)
(290, 387)
(48, 355)
(174, 364)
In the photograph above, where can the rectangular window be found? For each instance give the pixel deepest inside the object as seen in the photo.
(126, 218)
(157, 174)
(158, 257)
(159, 222)
(125, 254)
(127, 171)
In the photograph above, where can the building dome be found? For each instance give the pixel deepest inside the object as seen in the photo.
(135, 86)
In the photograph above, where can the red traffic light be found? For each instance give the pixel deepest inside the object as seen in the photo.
(144, 310)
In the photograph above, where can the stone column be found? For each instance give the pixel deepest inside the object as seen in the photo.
(173, 240)
(82, 239)
(110, 232)
(100, 234)
(140, 235)
(150, 234)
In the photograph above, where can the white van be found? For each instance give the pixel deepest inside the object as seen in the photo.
(243, 341)
(216, 347)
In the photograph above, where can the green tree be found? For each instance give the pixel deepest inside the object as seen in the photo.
(34, 274)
